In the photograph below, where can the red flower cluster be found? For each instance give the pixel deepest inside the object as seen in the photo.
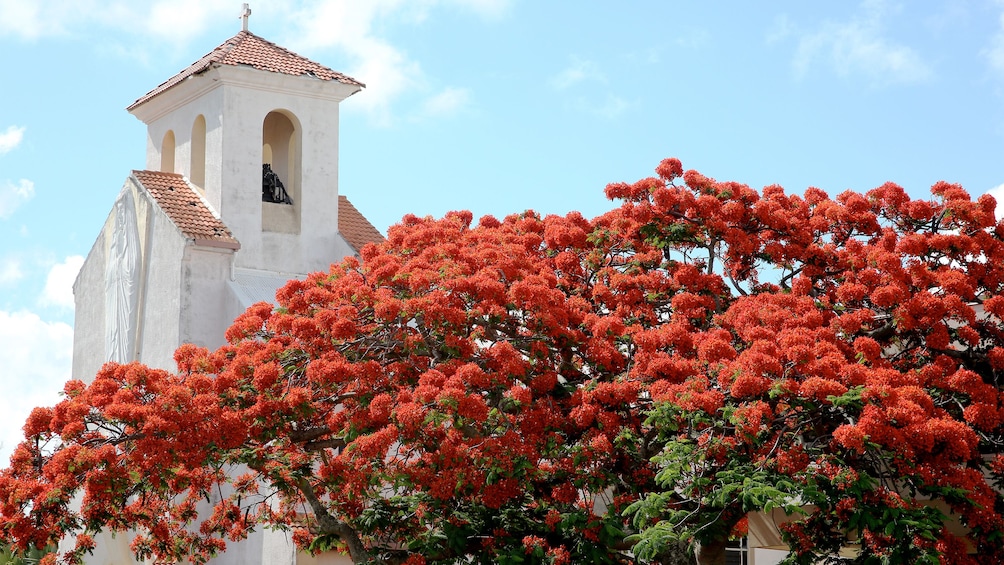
(473, 392)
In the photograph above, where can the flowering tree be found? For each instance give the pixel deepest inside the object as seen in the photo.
(857, 388)
(560, 390)
(459, 397)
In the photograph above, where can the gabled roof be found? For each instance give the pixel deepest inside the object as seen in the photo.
(186, 209)
(248, 50)
(196, 220)
(354, 227)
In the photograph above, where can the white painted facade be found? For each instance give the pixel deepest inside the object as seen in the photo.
(146, 286)
(180, 290)
(234, 101)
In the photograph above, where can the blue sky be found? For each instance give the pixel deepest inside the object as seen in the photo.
(495, 106)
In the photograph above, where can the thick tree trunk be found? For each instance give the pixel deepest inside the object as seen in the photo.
(711, 553)
(680, 554)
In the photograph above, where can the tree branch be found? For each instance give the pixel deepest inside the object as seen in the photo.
(330, 525)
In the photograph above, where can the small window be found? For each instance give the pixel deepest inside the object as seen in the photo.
(198, 176)
(167, 152)
(737, 552)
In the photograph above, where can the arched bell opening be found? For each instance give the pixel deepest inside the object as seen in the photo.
(280, 154)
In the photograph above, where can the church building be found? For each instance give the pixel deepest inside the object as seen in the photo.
(239, 195)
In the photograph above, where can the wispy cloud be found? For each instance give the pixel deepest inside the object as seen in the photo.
(578, 82)
(856, 47)
(994, 51)
(693, 38)
(998, 193)
(445, 103)
(172, 20)
(37, 361)
(13, 195)
(58, 290)
(10, 272)
(782, 29)
(10, 138)
(609, 107)
(579, 70)
(490, 9)
(350, 26)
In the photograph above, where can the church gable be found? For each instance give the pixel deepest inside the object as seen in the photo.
(186, 209)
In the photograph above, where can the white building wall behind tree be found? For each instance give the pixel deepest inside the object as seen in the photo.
(195, 255)
(156, 288)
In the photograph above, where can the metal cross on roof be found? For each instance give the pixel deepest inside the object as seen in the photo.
(245, 13)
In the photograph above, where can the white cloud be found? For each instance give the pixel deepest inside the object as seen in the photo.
(578, 71)
(10, 138)
(13, 195)
(489, 9)
(169, 18)
(995, 51)
(693, 38)
(37, 361)
(386, 70)
(609, 108)
(782, 29)
(857, 47)
(349, 25)
(10, 272)
(447, 102)
(998, 193)
(173, 20)
(58, 289)
(598, 103)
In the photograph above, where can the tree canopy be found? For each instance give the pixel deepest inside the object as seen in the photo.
(563, 390)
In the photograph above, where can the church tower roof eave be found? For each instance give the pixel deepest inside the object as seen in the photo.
(216, 244)
(245, 78)
(251, 51)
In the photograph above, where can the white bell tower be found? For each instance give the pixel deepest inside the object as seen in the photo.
(247, 104)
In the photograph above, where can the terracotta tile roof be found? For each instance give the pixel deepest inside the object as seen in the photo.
(249, 50)
(186, 209)
(354, 227)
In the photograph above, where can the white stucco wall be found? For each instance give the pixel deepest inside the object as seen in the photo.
(159, 327)
(313, 105)
(159, 241)
(235, 102)
(182, 292)
(205, 313)
(89, 309)
(176, 110)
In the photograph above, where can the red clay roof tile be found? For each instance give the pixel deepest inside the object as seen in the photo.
(193, 217)
(247, 49)
(186, 209)
(354, 227)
